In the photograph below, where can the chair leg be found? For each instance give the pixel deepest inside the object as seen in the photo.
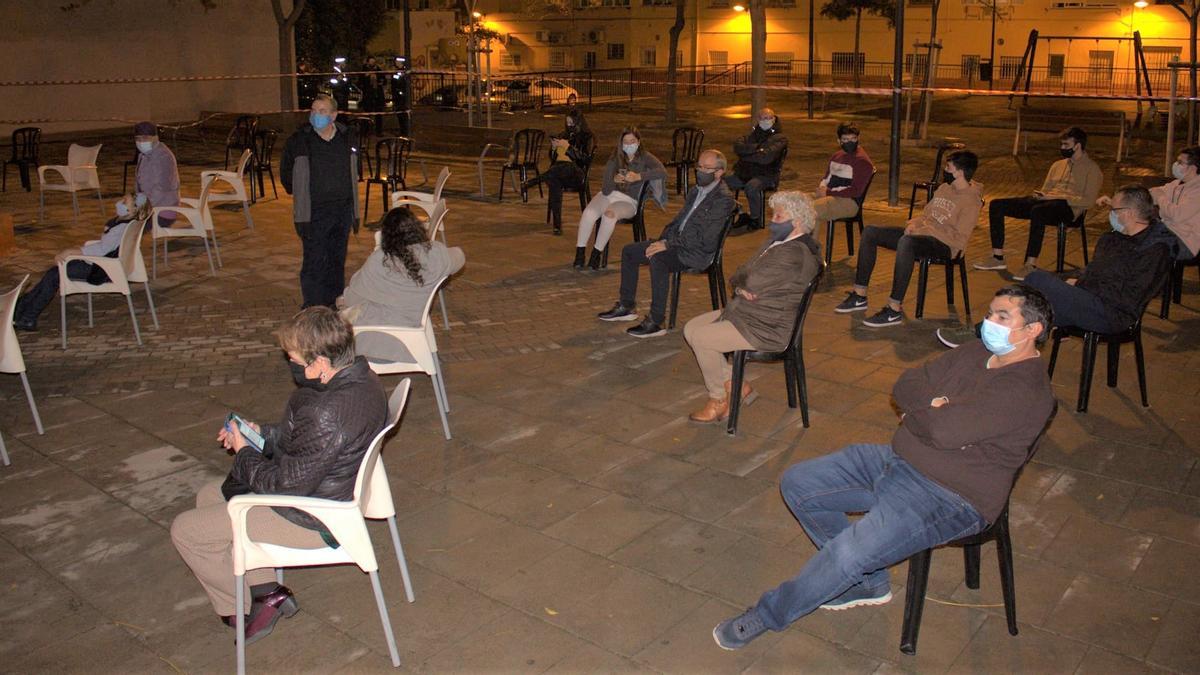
(100, 201)
(150, 302)
(279, 575)
(503, 175)
(789, 379)
(62, 306)
(802, 385)
(713, 281)
(1083, 238)
(829, 243)
(720, 273)
(408, 589)
(383, 618)
(41, 203)
(438, 393)
(922, 281)
(217, 248)
(1007, 587)
(674, 295)
(971, 565)
(137, 333)
(1114, 361)
(962, 275)
(949, 284)
(1062, 248)
(1056, 341)
(207, 252)
(4, 453)
(1164, 310)
(1086, 369)
(246, 212)
(850, 238)
(735, 391)
(914, 600)
(912, 201)
(367, 203)
(1139, 356)
(445, 314)
(37, 419)
(441, 377)
(240, 622)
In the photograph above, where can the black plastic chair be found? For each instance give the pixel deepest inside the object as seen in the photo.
(363, 128)
(26, 148)
(918, 567)
(264, 148)
(241, 137)
(1078, 223)
(584, 190)
(685, 155)
(923, 279)
(391, 164)
(637, 221)
(793, 363)
(762, 196)
(1173, 289)
(931, 185)
(850, 222)
(526, 151)
(715, 272)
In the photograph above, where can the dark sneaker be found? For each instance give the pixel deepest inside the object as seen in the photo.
(957, 336)
(884, 317)
(991, 264)
(618, 312)
(646, 329)
(857, 596)
(739, 631)
(853, 303)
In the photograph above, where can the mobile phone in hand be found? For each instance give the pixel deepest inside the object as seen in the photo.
(252, 437)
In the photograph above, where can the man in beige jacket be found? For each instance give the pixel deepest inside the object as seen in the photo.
(941, 231)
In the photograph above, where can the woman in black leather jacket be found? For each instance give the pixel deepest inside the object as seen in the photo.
(570, 157)
(314, 451)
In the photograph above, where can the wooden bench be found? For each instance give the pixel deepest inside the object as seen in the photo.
(1091, 121)
(445, 143)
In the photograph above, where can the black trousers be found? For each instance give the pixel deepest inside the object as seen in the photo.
(33, 302)
(323, 270)
(1074, 306)
(633, 256)
(561, 175)
(908, 248)
(1041, 213)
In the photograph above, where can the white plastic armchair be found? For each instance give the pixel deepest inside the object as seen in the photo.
(236, 180)
(128, 267)
(11, 360)
(79, 173)
(422, 348)
(344, 520)
(4, 452)
(443, 176)
(200, 224)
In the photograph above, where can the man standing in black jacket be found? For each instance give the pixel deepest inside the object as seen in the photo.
(318, 170)
(1128, 267)
(689, 241)
(760, 161)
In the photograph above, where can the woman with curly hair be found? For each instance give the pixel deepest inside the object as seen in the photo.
(395, 282)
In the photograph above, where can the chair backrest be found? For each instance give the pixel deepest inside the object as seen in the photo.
(797, 339)
(437, 218)
(26, 144)
(685, 144)
(733, 214)
(10, 350)
(863, 197)
(527, 146)
(391, 157)
(264, 146)
(943, 148)
(371, 484)
(243, 162)
(130, 253)
(425, 206)
(443, 177)
(82, 162)
(242, 133)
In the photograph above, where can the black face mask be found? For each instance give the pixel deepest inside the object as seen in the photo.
(704, 178)
(850, 147)
(301, 380)
(1067, 153)
(947, 177)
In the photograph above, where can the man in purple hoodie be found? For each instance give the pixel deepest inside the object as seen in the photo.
(157, 174)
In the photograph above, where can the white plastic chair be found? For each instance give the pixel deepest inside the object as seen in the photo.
(236, 180)
(443, 176)
(128, 267)
(79, 173)
(11, 360)
(346, 521)
(199, 217)
(435, 223)
(422, 348)
(3, 452)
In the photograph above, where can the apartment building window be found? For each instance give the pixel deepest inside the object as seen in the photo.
(718, 58)
(616, 51)
(780, 4)
(510, 60)
(845, 63)
(1057, 66)
(658, 3)
(558, 58)
(1100, 67)
(969, 66)
(586, 4)
(649, 56)
(718, 4)
(589, 60)
(1009, 67)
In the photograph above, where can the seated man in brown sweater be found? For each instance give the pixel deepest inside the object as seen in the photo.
(942, 230)
(968, 420)
(767, 290)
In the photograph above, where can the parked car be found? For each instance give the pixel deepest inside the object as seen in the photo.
(536, 93)
(453, 96)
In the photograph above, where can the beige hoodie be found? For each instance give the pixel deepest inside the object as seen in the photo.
(950, 216)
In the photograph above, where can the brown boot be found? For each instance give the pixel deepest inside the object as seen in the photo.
(748, 395)
(713, 411)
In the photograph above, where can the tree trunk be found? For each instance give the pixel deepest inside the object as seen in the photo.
(758, 55)
(673, 62)
(287, 51)
(931, 68)
(857, 36)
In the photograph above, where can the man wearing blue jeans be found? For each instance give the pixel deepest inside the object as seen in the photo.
(969, 418)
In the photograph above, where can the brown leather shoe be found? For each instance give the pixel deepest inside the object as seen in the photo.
(748, 395)
(713, 411)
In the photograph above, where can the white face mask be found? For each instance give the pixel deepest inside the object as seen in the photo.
(630, 149)
(1179, 170)
(766, 124)
(122, 209)
(145, 147)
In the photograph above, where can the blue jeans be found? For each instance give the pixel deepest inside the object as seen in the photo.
(905, 513)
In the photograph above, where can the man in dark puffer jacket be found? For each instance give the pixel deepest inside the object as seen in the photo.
(329, 423)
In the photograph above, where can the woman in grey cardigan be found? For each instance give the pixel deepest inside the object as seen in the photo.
(627, 169)
(393, 286)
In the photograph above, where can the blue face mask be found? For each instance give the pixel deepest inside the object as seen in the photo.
(1115, 222)
(319, 121)
(145, 147)
(995, 338)
(780, 231)
(1178, 170)
(122, 210)
(630, 149)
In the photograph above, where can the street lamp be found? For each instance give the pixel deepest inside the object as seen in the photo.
(739, 8)
(1141, 4)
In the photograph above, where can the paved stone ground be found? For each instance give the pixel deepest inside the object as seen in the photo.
(577, 522)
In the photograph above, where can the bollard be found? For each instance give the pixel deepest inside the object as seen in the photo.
(8, 243)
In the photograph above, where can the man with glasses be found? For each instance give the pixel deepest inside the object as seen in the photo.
(689, 241)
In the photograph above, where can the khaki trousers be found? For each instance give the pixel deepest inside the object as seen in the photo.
(204, 538)
(711, 338)
(833, 208)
